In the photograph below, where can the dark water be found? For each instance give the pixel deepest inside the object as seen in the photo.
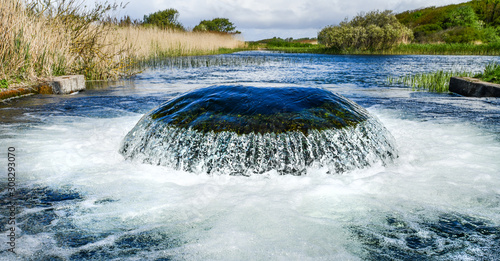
(77, 198)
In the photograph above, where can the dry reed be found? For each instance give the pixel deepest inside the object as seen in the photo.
(30, 47)
(39, 42)
(152, 43)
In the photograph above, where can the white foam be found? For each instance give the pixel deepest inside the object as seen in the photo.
(441, 167)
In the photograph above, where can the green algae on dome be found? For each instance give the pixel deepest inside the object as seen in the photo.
(244, 110)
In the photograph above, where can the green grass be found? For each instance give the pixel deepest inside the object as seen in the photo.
(402, 49)
(491, 73)
(434, 82)
(310, 49)
(4, 84)
(447, 49)
(440, 81)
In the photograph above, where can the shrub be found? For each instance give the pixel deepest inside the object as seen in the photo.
(278, 42)
(442, 24)
(374, 30)
(490, 35)
(462, 35)
(461, 16)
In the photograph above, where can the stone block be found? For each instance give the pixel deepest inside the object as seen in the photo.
(67, 84)
(473, 87)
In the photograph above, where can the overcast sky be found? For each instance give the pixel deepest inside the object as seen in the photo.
(260, 19)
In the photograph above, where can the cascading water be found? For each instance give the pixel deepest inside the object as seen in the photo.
(77, 198)
(241, 130)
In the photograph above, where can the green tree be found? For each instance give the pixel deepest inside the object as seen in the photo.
(462, 16)
(488, 11)
(490, 35)
(221, 25)
(166, 19)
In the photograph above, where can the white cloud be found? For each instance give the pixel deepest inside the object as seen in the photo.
(258, 19)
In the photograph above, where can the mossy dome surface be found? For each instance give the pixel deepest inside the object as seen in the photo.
(243, 110)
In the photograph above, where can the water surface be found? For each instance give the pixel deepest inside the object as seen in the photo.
(79, 199)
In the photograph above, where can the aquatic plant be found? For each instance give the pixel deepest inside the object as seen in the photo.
(447, 49)
(4, 84)
(402, 49)
(440, 81)
(434, 82)
(491, 73)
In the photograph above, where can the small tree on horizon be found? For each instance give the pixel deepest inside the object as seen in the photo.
(221, 25)
(166, 19)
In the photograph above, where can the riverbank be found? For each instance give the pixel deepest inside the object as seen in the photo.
(402, 49)
(37, 43)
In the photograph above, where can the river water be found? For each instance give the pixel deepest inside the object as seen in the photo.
(77, 198)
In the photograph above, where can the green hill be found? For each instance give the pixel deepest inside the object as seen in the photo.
(477, 21)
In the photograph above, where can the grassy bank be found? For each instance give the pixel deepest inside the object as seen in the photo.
(448, 49)
(40, 40)
(402, 49)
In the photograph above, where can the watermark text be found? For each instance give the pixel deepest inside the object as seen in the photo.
(11, 192)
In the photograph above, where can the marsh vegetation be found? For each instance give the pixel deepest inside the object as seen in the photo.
(439, 81)
(39, 39)
(435, 82)
(491, 73)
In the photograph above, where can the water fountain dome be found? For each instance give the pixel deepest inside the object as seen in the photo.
(242, 130)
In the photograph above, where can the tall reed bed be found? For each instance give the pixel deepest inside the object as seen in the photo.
(39, 39)
(28, 49)
(151, 43)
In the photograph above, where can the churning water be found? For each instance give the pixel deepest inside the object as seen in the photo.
(77, 197)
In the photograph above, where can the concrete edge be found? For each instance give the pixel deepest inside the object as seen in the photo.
(56, 85)
(473, 87)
